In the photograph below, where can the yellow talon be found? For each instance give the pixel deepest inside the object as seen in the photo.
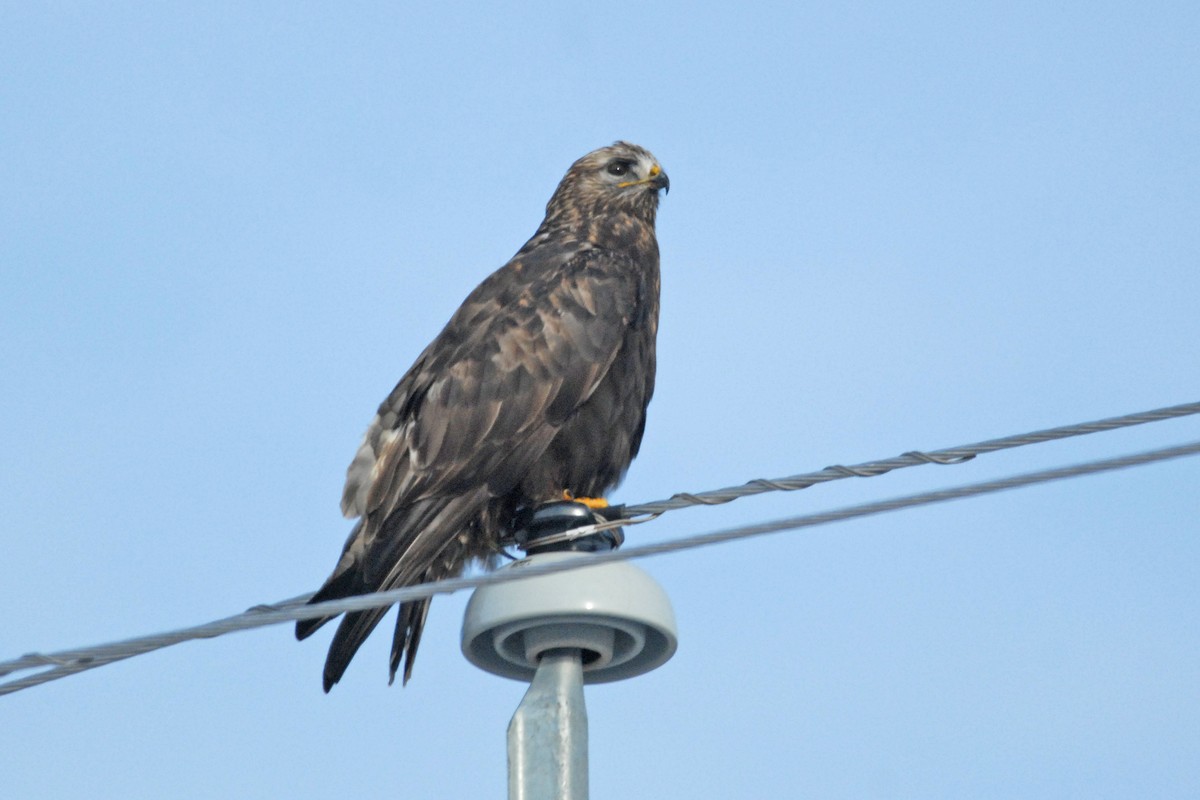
(591, 502)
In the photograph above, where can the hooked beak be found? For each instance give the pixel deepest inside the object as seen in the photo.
(657, 179)
(661, 181)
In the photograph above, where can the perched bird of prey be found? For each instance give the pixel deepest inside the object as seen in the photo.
(534, 391)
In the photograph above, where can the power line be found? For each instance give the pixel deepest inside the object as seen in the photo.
(871, 469)
(69, 662)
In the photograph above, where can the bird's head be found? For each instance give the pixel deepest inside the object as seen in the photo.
(622, 177)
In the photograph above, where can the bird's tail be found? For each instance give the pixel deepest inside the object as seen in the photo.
(425, 542)
(356, 626)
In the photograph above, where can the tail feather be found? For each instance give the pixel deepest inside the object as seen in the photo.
(352, 631)
(307, 627)
(346, 584)
(426, 541)
(347, 580)
(409, 625)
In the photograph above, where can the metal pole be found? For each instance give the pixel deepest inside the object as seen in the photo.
(547, 737)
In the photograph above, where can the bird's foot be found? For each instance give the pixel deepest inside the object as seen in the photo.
(593, 503)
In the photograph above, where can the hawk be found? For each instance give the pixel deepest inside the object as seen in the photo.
(534, 391)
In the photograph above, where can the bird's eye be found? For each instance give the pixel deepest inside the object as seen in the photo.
(619, 168)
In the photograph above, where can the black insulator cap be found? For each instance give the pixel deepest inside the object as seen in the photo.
(551, 519)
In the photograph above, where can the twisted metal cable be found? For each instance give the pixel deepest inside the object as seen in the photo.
(69, 662)
(871, 469)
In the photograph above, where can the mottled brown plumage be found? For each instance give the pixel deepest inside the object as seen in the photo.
(538, 384)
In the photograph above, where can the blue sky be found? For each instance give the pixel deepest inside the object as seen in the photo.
(227, 230)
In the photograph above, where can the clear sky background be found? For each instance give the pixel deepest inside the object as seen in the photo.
(227, 230)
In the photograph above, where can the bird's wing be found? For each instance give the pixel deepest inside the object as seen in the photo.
(469, 419)
(487, 395)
